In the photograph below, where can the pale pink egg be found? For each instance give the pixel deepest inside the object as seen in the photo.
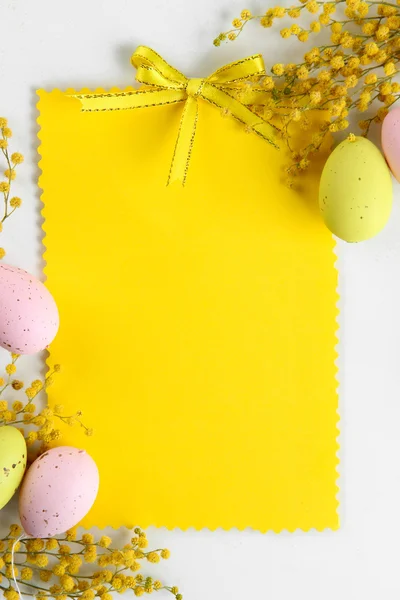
(59, 489)
(28, 314)
(391, 140)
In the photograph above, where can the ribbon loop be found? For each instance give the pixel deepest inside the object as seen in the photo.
(166, 85)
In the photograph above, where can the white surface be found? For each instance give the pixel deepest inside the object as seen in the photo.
(88, 42)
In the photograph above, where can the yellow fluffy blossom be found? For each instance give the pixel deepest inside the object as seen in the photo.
(315, 98)
(17, 158)
(329, 8)
(278, 12)
(385, 89)
(26, 574)
(135, 566)
(385, 10)
(393, 23)
(67, 583)
(245, 15)
(105, 541)
(58, 570)
(371, 49)
(11, 572)
(90, 554)
(236, 23)
(45, 575)
(74, 563)
(389, 68)
(369, 28)
(371, 78)
(382, 33)
(381, 114)
(266, 22)
(278, 69)
(294, 12)
(30, 393)
(42, 560)
(312, 6)
(153, 557)
(31, 438)
(71, 534)
(10, 174)
(381, 57)
(324, 76)
(87, 538)
(302, 72)
(15, 531)
(51, 544)
(37, 384)
(17, 406)
(351, 81)
(363, 9)
(337, 62)
(354, 62)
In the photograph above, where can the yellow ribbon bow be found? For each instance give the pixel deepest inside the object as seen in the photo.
(166, 85)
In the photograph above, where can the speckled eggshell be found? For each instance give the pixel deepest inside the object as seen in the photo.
(391, 140)
(28, 314)
(59, 489)
(12, 462)
(355, 191)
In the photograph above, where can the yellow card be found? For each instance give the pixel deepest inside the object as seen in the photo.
(197, 324)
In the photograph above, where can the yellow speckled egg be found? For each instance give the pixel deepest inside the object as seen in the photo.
(12, 462)
(355, 193)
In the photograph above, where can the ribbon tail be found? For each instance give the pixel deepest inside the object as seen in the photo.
(240, 112)
(184, 142)
(129, 100)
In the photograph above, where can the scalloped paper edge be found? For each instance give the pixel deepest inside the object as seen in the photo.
(172, 527)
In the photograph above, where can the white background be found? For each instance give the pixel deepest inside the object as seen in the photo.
(76, 43)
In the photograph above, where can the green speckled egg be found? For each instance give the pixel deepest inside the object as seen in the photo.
(355, 193)
(12, 462)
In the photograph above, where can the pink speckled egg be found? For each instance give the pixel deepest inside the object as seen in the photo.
(28, 314)
(391, 140)
(59, 489)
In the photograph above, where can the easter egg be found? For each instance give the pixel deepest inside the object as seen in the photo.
(12, 462)
(59, 489)
(391, 140)
(28, 314)
(355, 193)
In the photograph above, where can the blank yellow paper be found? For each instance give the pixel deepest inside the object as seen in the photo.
(197, 324)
